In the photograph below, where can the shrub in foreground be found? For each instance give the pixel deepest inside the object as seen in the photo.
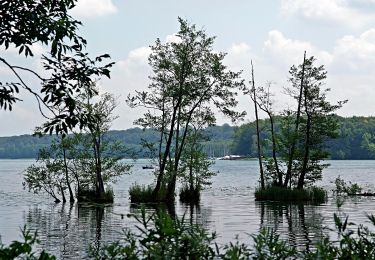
(274, 193)
(161, 237)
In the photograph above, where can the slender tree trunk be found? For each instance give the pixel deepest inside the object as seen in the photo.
(166, 152)
(171, 188)
(278, 172)
(62, 194)
(301, 179)
(191, 179)
(71, 196)
(262, 183)
(294, 140)
(99, 179)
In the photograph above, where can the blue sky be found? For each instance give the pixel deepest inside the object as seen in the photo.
(273, 33)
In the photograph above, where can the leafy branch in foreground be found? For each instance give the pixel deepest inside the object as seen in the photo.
(46, 24)
(24, 249)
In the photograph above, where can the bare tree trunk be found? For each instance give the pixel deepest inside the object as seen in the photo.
(294, 140)
(262, 183)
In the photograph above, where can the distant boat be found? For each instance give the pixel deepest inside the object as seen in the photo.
(148, 167)
(231, 157)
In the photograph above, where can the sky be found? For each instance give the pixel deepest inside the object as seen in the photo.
(272, 33)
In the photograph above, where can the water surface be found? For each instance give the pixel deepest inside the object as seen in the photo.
(228, 208)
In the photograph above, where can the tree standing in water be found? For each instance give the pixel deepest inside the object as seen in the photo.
(187, 75)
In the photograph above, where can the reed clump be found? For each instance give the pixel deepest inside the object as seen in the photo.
(274, 193)
(92, 196)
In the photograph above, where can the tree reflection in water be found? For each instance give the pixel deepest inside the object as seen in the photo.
(69, 230)
(301, 225)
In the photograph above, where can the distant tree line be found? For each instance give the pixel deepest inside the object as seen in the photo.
(28, 146)
(352, 143)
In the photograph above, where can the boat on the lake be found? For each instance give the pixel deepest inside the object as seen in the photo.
(148, 167)
(231, 157)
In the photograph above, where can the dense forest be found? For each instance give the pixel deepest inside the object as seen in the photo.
(224, 140)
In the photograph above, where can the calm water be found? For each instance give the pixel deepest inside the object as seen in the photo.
(228, 208)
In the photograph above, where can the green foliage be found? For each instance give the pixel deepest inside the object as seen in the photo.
(70, 69)
(274, 193)
(194, 167)
(268, 245)
(161, 237)
(352, 243)
(24, 250)
(346, 187)
(88, 159)
(235, 251)
(48, 173)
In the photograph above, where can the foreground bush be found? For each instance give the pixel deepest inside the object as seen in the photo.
(161, 237)
(274, 193)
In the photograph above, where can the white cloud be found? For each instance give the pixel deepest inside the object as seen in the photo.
(239, 49)
(288, 51)
(90, 8)
(356, 52)
(136, 58)
(337, 11)
(128, 75)
(239, 56)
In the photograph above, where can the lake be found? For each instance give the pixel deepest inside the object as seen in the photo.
(228, 208)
